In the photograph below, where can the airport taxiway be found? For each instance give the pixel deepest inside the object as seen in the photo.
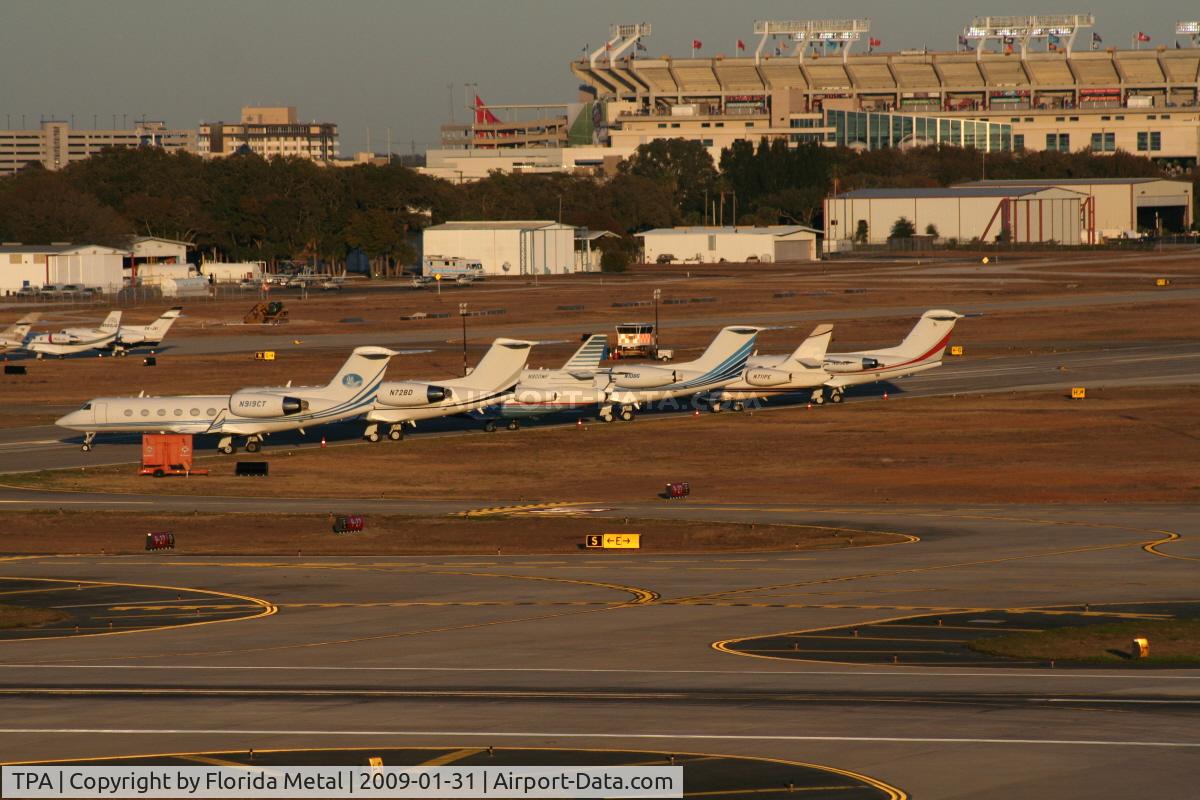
(610, 650)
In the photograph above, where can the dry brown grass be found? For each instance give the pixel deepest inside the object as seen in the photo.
(50, 533)
(12, 617)
(1171, 642)
(1119, 445)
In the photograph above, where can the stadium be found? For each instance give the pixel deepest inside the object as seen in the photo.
(1014, 83)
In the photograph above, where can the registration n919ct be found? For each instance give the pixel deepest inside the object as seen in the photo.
(368, 782)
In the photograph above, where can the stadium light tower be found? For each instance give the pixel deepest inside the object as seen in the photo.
(811, 31)
(621, 38)
(1189, 29)
(1024, 29)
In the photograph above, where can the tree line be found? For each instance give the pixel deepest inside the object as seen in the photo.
(246, 208)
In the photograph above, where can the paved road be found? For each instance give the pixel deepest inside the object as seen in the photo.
(608, 650)
(1145, 365)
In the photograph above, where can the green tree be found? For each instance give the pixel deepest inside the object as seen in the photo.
(382, 236)
(683, 166)
(861, 232)
(931, 230)
(903, 229)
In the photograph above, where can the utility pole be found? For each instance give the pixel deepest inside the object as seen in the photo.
(657, 296)
(462, 312)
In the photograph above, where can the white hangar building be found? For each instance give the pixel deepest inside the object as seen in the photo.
(986, 213)
(506, 247)
(712, 244)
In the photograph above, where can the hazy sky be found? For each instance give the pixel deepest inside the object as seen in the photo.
(380, 64)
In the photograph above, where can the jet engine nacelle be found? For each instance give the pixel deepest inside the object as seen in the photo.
(407, 394)
(644, 378)
(250, 404)
(851, 364)
(535, 396)
(767, 377)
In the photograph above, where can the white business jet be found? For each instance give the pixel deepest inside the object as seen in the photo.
(404, 402)
(547, 391)
(921, 350)
(772, 376)
(75, 340)
(131, 336)
(252, 412)
(627, 388)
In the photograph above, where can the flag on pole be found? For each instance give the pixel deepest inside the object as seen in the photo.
(697, 44)
(741, 45)
(1096, 41)
(873, 42)
(1143, 37)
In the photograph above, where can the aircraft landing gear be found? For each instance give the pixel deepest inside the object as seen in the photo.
(818, 396)
(371, 434)
(627, 414)
(88, 438)
(396, 432)
(716, 407)
(225, 445)
(606, 414)
(835, 395)
(513, 425)
(253, 444)
(738, 406)
(489, 426)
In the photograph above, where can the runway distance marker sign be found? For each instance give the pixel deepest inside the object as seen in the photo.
(613, 541)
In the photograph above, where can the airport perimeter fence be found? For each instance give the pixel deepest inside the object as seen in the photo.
(926, 246)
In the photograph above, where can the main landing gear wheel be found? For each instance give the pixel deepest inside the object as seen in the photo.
(372, 437)
(253, 446)
(835, 397)
(513, 425)
(739, 406)
(489, 426)
(716, 408)
(396, 434)
(626, 415)
(226, 449)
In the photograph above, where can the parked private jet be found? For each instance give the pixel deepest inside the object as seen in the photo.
(14, 336)
(251, 412)
(131, 336)
(921, 350)
(75, 340)
(547, 391)
(404, 402)
(771, 376)
(627, 388)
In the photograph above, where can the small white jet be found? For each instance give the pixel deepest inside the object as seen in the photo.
(404, 402)
(626, 388)
(14, 336)
(131, 336)
(921, 350)
(771, 376)
(547, 391)
(252, 412)
(76, 340)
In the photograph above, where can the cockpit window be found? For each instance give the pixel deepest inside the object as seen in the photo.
(86, 407)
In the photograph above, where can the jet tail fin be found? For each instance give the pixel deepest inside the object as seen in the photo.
(811, 351)
(590, 354)
(929, 337)
(156, 330)
(112, 322)
(501, 365)
(728, 351)
(363, 371)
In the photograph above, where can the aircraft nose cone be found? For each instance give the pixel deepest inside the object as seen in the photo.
(68, 420)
